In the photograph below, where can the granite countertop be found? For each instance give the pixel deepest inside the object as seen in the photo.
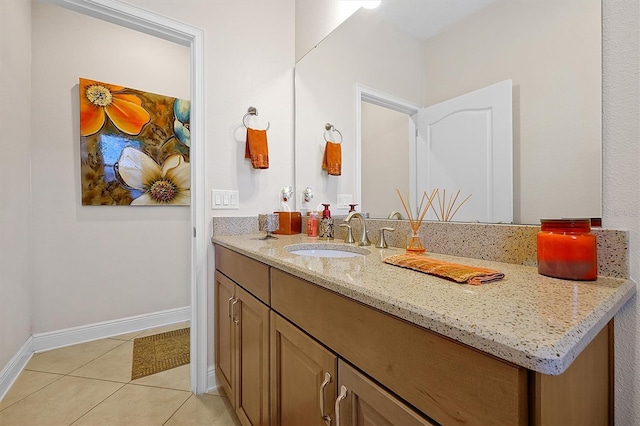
(534, 321)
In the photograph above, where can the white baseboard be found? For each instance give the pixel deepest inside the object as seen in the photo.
(12, 370)
(72, 336)
(212, 385)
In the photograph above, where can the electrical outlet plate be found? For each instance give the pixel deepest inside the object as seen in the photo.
(225, 199)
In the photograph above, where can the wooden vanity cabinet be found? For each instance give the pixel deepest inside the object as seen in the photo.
(285, 348)
(242, 335)
(449, 382)
(303, 377)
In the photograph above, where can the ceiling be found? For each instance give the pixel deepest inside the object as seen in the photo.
(425, 18)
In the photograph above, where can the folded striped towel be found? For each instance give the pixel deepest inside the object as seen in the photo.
(459, 273)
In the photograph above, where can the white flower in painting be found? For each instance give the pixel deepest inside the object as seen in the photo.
(169, 184)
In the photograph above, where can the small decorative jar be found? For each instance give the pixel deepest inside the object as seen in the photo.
(414, 243)
(567, 249)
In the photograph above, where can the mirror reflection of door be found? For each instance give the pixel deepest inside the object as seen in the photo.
(466, 144)
(463, 144)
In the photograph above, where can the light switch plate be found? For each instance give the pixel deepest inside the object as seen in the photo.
(225, 199)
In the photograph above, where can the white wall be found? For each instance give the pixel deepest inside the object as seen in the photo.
(326, 92)
(315, 20)
(542, 47)
(249, 48)
(249, 58)
(621, 181)
(97, 263)
(15, 135)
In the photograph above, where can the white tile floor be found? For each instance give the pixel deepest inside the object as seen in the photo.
(90, 384)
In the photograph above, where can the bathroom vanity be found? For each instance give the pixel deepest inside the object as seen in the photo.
(325, 341)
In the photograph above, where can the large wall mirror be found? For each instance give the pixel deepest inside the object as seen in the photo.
(417, 54)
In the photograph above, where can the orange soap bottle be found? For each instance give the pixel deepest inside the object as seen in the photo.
(567, 249)
(312, 225)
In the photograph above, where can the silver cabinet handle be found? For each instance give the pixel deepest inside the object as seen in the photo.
(343, 395)
(229, 306)
(327, 380)
(233, 309)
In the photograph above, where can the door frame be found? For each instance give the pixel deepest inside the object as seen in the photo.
(377, 97)
(155, 25)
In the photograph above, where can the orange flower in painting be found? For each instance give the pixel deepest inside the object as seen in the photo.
(100, 100)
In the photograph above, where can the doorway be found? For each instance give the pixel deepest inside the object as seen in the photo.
(158, 26)
(375, 105)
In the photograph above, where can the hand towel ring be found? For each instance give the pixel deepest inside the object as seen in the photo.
(252, 111)
(330, 127)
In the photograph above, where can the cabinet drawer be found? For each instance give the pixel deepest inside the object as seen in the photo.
(249, 273)
(448, 381)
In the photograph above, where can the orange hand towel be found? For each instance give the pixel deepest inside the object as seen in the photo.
(257, 149)
(459, 273)
(332, 160)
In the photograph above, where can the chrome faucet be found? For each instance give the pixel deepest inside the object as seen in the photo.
(364, 240)
(395, 214)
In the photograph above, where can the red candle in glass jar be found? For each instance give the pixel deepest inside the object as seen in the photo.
(567, 249)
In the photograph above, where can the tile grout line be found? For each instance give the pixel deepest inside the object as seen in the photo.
(35, 391)
(82, 365)
(99, 356)
(177, 409)
(99, 403)
(92, 378)
(157, 387)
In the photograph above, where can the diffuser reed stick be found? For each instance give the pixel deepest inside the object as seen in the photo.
(446, 214)
(422, 209)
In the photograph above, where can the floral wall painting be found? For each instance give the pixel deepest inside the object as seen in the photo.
(134, 146)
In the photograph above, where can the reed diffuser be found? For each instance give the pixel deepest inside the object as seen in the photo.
(414, 243)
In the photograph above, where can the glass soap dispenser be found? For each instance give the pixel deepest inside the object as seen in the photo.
(325, 227)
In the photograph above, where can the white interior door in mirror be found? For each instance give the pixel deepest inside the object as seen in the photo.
(466, 144)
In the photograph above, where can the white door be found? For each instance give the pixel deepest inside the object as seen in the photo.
(466, 144)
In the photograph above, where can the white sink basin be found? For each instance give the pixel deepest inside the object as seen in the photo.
(326, 250)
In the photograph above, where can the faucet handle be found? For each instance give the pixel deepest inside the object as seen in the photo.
(349, 238)
(382, 243)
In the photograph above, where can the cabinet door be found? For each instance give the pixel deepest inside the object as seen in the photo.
(225, 335)
(252, 359)
(450, 382)
(303, 385)
(366, 403)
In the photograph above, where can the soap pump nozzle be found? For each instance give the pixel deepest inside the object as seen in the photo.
(326, 213)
